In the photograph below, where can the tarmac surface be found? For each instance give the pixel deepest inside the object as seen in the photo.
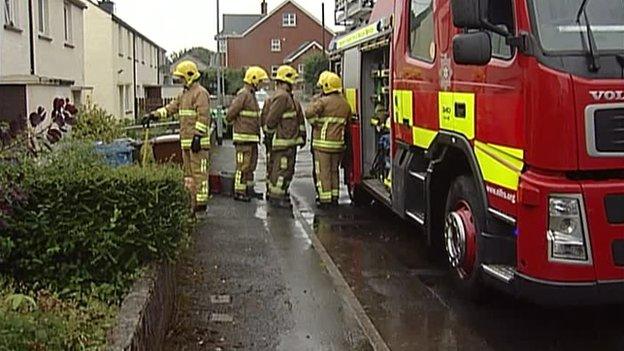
(352, 278)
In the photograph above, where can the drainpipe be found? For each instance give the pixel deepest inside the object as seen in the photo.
(32, 37)
(134, 76)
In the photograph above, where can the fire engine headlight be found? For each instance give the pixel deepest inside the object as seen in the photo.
(567, 236)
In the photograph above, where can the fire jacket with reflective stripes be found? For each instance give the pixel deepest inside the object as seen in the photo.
(284, 118)
(328, 116)
(193, 109)
(244, 114)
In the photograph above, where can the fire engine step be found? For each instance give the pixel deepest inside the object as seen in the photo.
(416, 216)
(499, 271)
(378, 190)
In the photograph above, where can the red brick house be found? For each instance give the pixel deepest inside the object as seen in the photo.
(286, 35)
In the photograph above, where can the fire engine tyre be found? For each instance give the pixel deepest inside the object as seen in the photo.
(464, 219)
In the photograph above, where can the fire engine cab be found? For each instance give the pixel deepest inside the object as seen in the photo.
(498, 128)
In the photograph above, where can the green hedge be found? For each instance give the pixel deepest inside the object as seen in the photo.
(87, 227)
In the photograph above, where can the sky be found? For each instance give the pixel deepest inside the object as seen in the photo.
(180, 24)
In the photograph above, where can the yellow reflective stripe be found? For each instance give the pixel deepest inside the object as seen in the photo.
(201, 127)
(162, 112)
(240, 157)
(335, 193)
(312, 120)
(203, 166)
(423, 137)
(500, 164)
(239, 183)
(268, 130)
(292, 114)
(448, 113)
(285, 142)
(284, 163)
(186, 142)
(250, 114)
(187, 113)
(205, 141)
(324, 131)
(202, 195)
(333, 120)
(302, 128)
(325, 196)
(328, 144)
(246, 137)
(403, 107)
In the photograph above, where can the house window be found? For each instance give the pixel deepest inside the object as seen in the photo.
(301, 68)
(276, 45)
(11, 13)
(43, 18)
(274, 69)
(143, 51)
(130, 51)
(421, 42)
(68, 23)
(289, 20)
(120, 41)
(122, 100)
(127, 102)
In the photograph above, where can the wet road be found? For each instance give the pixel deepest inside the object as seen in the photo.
(412, 303)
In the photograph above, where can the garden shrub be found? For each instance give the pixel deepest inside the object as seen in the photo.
(43, 321)
(95, 124)
(85, 227)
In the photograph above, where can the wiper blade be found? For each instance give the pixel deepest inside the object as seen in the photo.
(592, 48)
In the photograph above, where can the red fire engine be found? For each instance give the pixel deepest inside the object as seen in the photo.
(505, 135)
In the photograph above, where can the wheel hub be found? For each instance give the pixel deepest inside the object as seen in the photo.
(459, 239)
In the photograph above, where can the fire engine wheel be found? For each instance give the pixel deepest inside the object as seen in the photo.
(464, 218)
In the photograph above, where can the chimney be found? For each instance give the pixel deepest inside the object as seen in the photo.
(108, 6)
(263, 8)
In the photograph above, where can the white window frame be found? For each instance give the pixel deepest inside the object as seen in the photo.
(127, 102)
(274, 69)
(11, 13)
(142, 51)
(301, 69)
(289, 19)
(68, 23)
(120, 42)
(276, 45)
(130, 48)
(43, 18)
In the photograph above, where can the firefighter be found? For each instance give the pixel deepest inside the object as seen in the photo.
(329, 116)
(192, 107)
(244, 114)
(319, 85)
(283, 121)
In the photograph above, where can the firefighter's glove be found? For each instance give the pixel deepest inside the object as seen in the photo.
(148, 119)
(196, 144)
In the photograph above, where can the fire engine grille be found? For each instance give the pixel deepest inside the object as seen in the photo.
(609, 130)
(614, 204)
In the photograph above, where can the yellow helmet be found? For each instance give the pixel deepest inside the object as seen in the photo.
(322, 78)
(255, 75)
(287, 74)
(188, 71)
(332, 83)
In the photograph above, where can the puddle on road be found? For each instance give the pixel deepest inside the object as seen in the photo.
(414, 305)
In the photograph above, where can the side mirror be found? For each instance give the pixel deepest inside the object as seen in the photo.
(469, 13)
(472, 48)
